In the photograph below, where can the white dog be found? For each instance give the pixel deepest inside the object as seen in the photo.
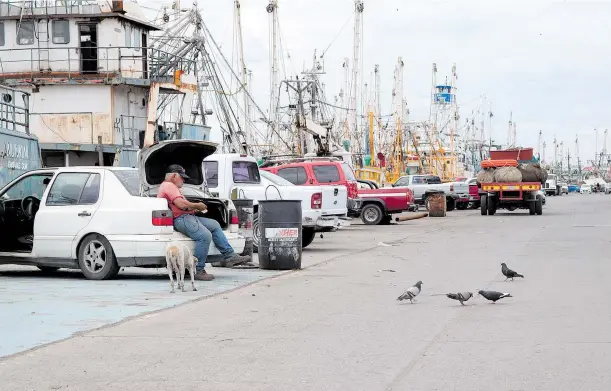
(178, 258)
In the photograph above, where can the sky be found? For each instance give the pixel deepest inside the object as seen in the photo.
(547, 62)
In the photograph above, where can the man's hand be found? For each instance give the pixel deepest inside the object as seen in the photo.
(200, 206)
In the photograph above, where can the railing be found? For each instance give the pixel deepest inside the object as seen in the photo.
(79, 62)
(14, 115)
(130, 127)
(28, 7)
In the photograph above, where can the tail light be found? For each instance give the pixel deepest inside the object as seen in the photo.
(316, 201)
(353, 190)
(162, 218)
(233, 218)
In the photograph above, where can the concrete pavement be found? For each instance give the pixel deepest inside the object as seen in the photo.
(337, 326)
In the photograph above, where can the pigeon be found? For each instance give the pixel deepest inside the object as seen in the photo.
(493, 295)
(507, 272)
(411, 292)
(460, 296)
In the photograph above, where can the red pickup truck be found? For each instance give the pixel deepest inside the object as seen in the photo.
(378, 204)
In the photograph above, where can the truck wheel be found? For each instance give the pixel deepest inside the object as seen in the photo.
(450, 204)
(371, 214)
(427, 203)
(484, 205)
(491, 207)
(462, 205)
(96, 258)
(307, 236)
(539, 206)
(532, 207)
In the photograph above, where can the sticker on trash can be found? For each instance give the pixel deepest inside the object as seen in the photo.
(282, 234)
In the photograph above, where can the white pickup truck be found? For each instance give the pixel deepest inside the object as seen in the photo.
(99, 219)
(457, 193)
(237, 176)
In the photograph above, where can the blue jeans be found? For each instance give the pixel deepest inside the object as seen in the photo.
(203, 231)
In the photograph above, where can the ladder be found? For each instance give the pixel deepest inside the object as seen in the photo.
(43, 45)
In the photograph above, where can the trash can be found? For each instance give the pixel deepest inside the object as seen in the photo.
(280, 234)
(245, 211)
(436, 201)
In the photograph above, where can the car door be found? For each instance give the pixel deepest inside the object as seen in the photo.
(69, 207)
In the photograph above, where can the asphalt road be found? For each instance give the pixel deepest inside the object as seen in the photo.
(336, 324)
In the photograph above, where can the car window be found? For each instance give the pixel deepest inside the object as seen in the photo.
(275, 179)
(130, 179)
(418, 180)
(245, 172)
(211, 170)
(74, 188)
(32, 185)
(433, 180)
(295, 175)
(348, 172)
(326, 173)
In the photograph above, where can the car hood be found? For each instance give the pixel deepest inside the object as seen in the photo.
(154, 161)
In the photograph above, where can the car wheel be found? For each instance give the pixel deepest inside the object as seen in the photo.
(371, 214)
(307, 236)
(96, 258)
(256, 235)
(47, 269)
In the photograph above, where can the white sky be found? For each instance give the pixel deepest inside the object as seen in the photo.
(547, 61)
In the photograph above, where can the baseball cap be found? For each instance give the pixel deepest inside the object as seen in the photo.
(177, 169)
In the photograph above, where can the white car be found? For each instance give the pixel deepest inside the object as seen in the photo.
(585, 189)
(99, 219)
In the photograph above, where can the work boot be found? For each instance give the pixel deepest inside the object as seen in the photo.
(238, 260)
(202, 275)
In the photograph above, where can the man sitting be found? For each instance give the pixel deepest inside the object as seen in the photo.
(201, 229)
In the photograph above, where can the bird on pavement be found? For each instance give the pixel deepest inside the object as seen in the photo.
(507, 272)
(460, 296)
(411, 292)
(493, 295)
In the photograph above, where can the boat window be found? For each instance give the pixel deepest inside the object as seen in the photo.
(1, 33)
(137, 43)
(25, 33)
(61, 31)
(128, 36)
(211, 171)
(294, 175)
(326, 173)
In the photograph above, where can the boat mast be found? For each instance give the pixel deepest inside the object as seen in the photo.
(356, 65)
(244, 77)
(272, 10)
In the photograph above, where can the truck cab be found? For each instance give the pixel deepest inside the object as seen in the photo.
(551, 185)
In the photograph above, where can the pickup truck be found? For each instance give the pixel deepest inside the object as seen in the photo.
(99, 219)
(380, 204)
(237, 176)
(457, 193)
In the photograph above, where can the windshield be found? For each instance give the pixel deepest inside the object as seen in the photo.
(275, 179)
(348, 172)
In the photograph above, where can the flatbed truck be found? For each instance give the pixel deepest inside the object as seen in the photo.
(511, 196)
